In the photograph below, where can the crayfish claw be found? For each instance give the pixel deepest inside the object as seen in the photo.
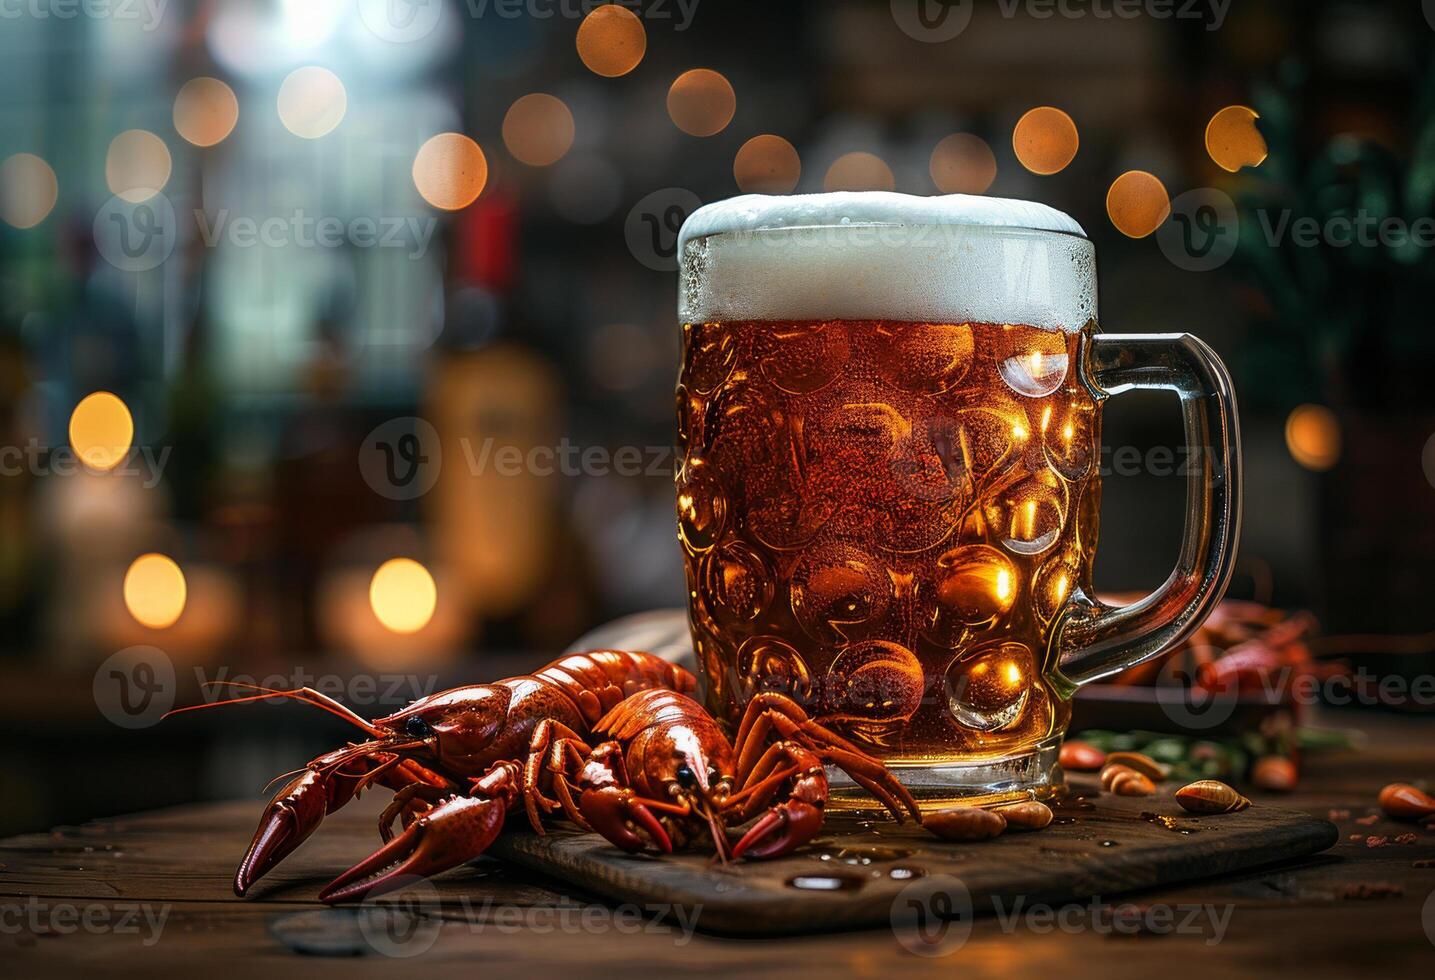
(451, 834)
(614, 812)
(295, 812)
(780, 830)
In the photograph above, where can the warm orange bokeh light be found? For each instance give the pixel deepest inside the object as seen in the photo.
(963, 164)
(450, 171)
(137, 165)
(28, 190)
(701, 102)
(1045, 140)
(538, 129)
(859, 172)
(402, 595)
(1313, 437)
(1233, 140)
(312, 101)
(1137, 203)
(101, 430)
(205, 111)
(611, 41)
(155, 591)
(767, 164)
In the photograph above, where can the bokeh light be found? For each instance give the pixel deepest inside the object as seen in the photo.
(28, 190)
(402, 595)
(450, 171)
(1232, 139)
(137, 165)
(155, 591)
(538, 129)
(1137, 203)
(205, 111)
(963, 163)
(611, 41)
(101, 430)
(859, 172)
(1313, 437)
(312, 101)
(701, 102)
(767, 164)
(1045, 140)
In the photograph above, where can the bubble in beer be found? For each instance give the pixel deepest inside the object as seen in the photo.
(691, 407)
(974, 587)
(137, 165)
(1313, 437)
(1066, 435)
(611, 41)
(702, 505)
(1035, 364)
(205, 111)
(963, 163)
(801, 358)
(538, 129)
(1045, 140)
(1031, 514)
(450, 171)
(766, 663)
(709, 352)
(990, 689)
(701, 102)
(877, 680)
(1054, 584)
(859, 171)
(736, 584)
(927, 357)
(767, 164)
(837, 591)
(1137, 203)
(1232, 139)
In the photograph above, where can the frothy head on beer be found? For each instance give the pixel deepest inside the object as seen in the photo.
(883, 256)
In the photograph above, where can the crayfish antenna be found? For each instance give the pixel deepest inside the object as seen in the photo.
(304, 695)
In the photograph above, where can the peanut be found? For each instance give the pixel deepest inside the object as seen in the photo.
(1125, 781)
(1209, 796)
(964, 823)
(1143, 764)
(1030, 815)
(1401, 801)
(1081, 757)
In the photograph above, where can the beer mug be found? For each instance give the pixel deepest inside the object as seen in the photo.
(888, 491)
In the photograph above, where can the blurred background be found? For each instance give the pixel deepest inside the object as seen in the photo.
(292, 290)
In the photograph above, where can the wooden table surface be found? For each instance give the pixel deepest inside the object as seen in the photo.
(150, 894)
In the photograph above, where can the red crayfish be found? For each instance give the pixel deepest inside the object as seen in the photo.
(460, 761)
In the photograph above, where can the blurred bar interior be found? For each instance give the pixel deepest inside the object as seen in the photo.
(270, 325)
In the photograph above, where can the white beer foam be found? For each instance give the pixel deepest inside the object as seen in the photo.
(879, 255)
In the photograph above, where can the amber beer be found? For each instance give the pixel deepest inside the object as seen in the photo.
(888, 494)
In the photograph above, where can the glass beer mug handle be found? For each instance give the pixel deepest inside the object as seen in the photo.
(1094, 640)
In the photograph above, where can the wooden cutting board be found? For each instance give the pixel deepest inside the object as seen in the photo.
(857, 871)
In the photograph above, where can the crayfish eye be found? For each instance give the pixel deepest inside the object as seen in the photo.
(686, 777)
(416, 727)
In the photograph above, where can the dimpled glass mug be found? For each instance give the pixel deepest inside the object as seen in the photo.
(889, 420)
